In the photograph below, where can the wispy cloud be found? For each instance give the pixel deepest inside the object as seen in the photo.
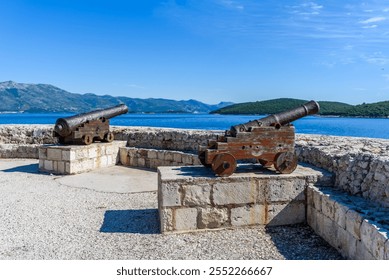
(230, 4)
(135, 86)
(373, 19)
(306, 9)
(377, 58)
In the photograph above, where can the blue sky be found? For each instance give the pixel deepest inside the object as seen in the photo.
(209, 50)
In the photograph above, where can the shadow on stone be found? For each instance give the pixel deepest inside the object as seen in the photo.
(30, 168)
(300, 242)
(143, 221)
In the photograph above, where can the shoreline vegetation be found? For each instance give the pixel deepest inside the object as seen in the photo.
(327, 108)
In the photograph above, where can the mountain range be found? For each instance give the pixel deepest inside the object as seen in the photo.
(44, 98)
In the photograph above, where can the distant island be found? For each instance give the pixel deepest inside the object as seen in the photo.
(327, 108)
(44, 98)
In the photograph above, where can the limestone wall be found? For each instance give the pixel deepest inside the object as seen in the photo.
(361, 165)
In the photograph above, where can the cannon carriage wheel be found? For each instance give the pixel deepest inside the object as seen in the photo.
(224, 164)
(87, 139)
(108, 137)
(285, 162)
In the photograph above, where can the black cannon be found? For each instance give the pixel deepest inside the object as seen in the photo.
(87, 127)
(269, 140)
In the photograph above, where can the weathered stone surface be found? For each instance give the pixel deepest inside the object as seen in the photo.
(362, 252)
(248, 215)
(225, 193)
(197, 195)
(185, 219)
(166, 219)
(327, 206)
(170, 195)
(213, 218)
(340, 211)
(285, 190)
(353, 223)
(285, 214)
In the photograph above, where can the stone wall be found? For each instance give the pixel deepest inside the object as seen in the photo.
(357, 228)
(152, 158)
(361, 165)
(192, 198)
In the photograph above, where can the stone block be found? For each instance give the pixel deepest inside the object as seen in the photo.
(386, 254)
(197, 195)
(340, 212)
(177, 157)
(152, 154)
(248, 215)
(187, 159)
(54, 154)
(225, 193)
(317, 195)
(285, 214)
(329, 231)
(170, 195)
(327, 206)
(213, 218)
(42, 153)
(61, 167)
(48, 165)
(342, 241)
(185, 219)
(285, 190)
(41, 164)
(378, 239)
(94, 152)
(309, 192)
(124, 158)
(353, 223)
(362, 252)
(311, 217)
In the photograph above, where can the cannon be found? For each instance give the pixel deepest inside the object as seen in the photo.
(87, 127)
(269, 141)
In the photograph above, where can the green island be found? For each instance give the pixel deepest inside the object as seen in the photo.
(327, 108)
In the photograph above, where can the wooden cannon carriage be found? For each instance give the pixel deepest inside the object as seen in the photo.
(269, 140)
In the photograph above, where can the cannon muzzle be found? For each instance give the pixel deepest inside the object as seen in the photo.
(65, 126)
(309, 108)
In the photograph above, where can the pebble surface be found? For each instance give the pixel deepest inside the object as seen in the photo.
(44, 219)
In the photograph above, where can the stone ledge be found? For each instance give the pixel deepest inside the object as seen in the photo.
(153, 158)
(356, 227)
(73, 159)
(192, 198)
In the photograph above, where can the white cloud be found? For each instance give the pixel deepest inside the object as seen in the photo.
(376, 58)
(373, 19)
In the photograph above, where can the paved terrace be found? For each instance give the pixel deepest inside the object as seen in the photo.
(111, 213)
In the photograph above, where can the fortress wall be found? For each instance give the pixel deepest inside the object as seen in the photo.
(360, 165)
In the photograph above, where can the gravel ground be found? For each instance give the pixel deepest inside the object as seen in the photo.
(44, 219)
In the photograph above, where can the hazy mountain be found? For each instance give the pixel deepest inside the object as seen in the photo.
(47, 98)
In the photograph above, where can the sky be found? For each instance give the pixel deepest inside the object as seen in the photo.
(208, 50)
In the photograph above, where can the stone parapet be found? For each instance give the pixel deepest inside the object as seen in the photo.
(360, 165)
(152, 158)
(192, 198)
(72, 159)
(357, 228)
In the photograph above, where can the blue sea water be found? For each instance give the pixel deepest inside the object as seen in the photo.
(360, 127)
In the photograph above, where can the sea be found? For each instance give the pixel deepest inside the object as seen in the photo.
(337, 126)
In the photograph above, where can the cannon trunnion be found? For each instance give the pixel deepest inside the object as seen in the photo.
(87, 127)
(269, 140)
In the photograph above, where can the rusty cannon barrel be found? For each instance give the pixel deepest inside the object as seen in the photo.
(280, 119)
(65, 126)
(87, 127)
